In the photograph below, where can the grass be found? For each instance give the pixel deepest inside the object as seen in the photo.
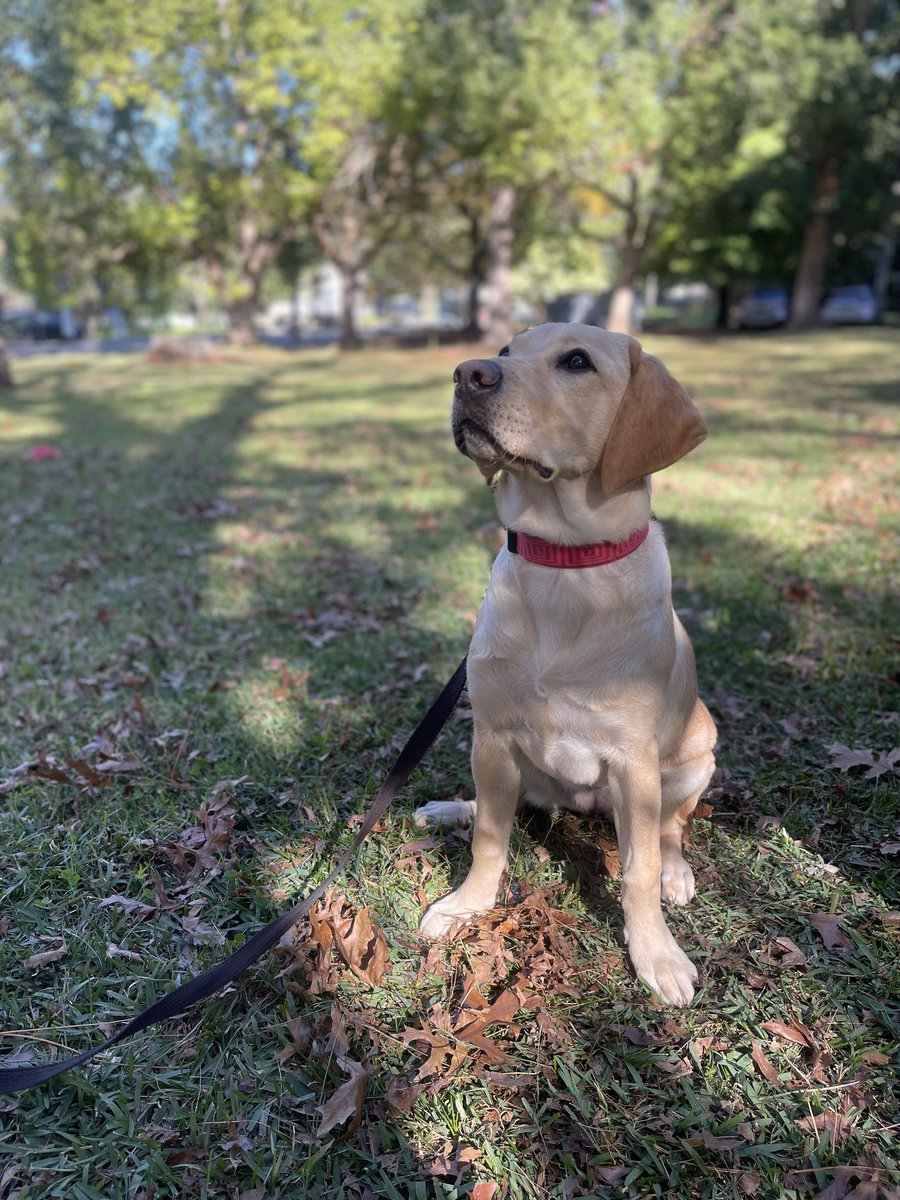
(223, 606)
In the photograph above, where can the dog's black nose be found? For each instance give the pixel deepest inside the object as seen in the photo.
(478, 374)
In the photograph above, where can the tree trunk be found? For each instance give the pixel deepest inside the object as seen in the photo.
(240, 315)
(6, 376)
(351, 281)
(497, 325)
(807, 292)
(343, 248)
(477, 272)
(723, 297)
(294, 331)
(472, 329)
(478, 260)
(622, 307)
(883, 269)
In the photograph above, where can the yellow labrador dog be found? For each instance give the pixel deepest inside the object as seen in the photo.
(581, 676)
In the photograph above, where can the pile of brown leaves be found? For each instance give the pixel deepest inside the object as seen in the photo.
(501, 966)
(498, 969)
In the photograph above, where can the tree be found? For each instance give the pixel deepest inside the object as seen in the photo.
(442, 241)
(227, 88)
(637, 70)
(845, 101)
(782, 162)
(485, 92)
(61, 152)
(272, 126)
(361, 158)
(725, 208)
(358, 212)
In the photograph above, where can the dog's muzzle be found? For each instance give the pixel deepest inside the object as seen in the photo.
(478, 381)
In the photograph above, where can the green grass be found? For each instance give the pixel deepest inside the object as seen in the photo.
(259, 571)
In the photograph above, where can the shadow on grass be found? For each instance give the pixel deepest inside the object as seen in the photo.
(750, 619)
(160, 577)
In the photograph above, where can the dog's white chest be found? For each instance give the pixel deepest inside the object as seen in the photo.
(545, 682)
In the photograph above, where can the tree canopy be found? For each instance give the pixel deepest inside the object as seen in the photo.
(445, 139)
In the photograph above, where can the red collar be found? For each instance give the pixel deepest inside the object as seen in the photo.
(593, 554)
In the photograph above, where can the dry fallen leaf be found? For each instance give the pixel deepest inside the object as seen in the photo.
(798, 1034)
(363, 948)
(783, 953)
(846, 759)
(612, 863)
(502, 1010)
(401, 1093)
(792, 725)
(759, 1057)
(637, 1037)
(876, 1058)
(88, 773)
(484, 1191)
(612, 1175)
(48, 956)
(191, 1154)
(800, 591)
(347, 1102)
(838, 1127)
(828, 927)
(445, 1054)
(709, 1141)
(132, 907)
(114, 951)
(201, 933)
(117, 766)
(818, 1055)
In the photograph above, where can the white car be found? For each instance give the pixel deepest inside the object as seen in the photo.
(854, 305)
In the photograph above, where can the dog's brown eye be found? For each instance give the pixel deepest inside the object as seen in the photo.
(576, 360)
(504, 353)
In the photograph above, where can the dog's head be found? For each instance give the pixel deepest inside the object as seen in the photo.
(568, 400)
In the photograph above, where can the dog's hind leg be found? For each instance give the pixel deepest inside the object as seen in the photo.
(682, 786)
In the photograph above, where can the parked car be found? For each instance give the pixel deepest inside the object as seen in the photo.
(764, 308)
(853, 305)
(40, 326)
(16, 324)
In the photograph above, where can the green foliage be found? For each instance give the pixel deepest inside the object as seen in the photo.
(777, 86)
(683, 136)
(81, 227)
(218, 128)
(484, 98)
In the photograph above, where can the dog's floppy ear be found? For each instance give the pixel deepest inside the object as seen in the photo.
(655, 425)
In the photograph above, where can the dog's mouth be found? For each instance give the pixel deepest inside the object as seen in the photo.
(477, 443)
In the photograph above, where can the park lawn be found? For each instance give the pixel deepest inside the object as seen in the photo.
(225, 605)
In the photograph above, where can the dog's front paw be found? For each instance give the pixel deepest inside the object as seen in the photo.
(445, 812)
(677, 882)
(445, 916)
(661, 963)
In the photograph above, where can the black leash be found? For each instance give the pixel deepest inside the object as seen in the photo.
(17, 1079)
